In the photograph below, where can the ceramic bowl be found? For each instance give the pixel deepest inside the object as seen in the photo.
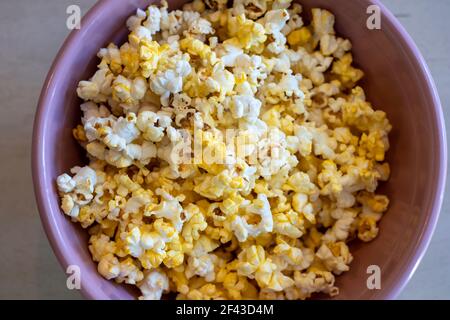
(397, 81)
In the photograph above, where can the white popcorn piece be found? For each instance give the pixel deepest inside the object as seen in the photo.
(98, 88)
(109, 267)
(243, 230)
(65, 183)
(202, 266)
(245, 107)
(154, 285)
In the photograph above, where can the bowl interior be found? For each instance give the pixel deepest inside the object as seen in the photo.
(395, 82)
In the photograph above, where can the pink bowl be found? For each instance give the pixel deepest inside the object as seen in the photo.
(397, 81)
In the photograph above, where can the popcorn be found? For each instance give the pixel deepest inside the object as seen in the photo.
(330, 45)
(133, 241)
(65, 183)
(69, 207)
(196, 5)
(290, 85)
(260, 207)
(92, 111)
(111, 58)
(302, 141)
(336, 257)
(245, 33)
(153, 21)
(274, 20)
(341, 228)
(202, 246)
(263, 270)
(153, 285)
(170, 81)
(300, 182)
(299, 37)
(228, 53)
(291, 255)
(245, 107)
(98, 88)
(108, 267)
(367, 229)
(253, 257)
(199, 26)
(313, 65)
(252, 8)
(129, 57)
(213, 187)
(324, 145)
(221, 81)
(150, 54)
(314, 281)
(135, 21)
(322, 21)
(101, 246)
(216, 4)
(197, 48)
(193, 225)
(231, 153)
(129, 272)
(78, 190)
(301, 205)
(347, 74)
(289, 224)
(201, 266)
(169, 208)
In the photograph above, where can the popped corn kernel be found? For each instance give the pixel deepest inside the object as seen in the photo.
(154, 284)
(299, 37)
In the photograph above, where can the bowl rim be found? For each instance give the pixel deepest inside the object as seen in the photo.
(41, 185)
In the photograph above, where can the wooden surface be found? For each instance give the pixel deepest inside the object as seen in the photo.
(31, 31)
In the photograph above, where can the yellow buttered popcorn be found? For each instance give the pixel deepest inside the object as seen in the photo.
(232, 154)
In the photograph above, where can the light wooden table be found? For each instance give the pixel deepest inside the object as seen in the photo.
(31, 31)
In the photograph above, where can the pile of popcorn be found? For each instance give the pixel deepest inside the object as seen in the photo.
(272, 226)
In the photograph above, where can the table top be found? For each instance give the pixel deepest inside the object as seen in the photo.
(31, 32)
